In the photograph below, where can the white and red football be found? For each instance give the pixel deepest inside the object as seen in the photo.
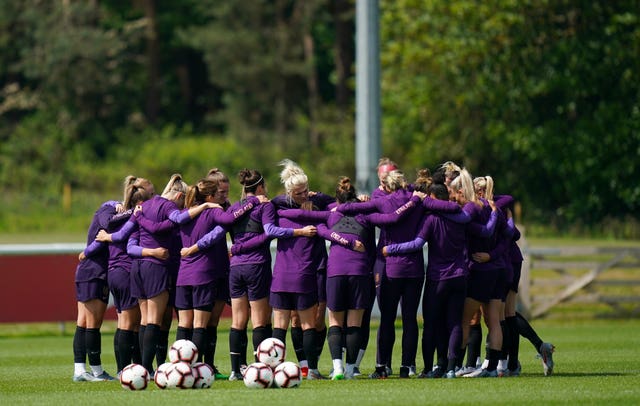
(183, 351)
(287, 375)
(203, 375)
(162, 373)
(271, 351)
(180, 376)
(258, 376)
(134, 377)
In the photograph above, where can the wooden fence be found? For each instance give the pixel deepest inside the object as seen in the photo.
(596, 276)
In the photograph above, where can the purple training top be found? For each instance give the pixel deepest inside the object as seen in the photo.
(201, 267)
(157, 210)
(94, 266)
(343, 260)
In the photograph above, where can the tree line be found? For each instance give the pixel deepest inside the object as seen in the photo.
(542, 95)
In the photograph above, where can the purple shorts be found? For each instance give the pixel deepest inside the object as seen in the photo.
(173, 278)
(252, 280)
(517, 272)
(93, 289)
(148, 279)
(321, 279)
(120, 287)
(346, 292)
(487, 285)
(200, 297)
(293, 301)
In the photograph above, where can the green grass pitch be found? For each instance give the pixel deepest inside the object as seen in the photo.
(597, 362)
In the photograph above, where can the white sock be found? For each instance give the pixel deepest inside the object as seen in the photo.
(79, 369)
(359, 358)
(349, 370)
(485, 363)
(337, 366)
(502, 364)
(304, 364)
(96, 369)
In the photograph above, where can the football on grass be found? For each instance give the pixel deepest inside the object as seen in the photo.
(287, 375)
(162, 373)
(180, 376)
(271, 351)
(134, 377)
(183, 351)
(258, 376)
(203, 375)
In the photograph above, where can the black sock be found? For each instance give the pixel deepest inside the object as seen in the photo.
(93, 338)
(487, 342)
(280, 334)
(212, 332)
(460, 356)
(79, 345)
(309, 344)
(200, 339)
(475, 342)
(235, 346)
(125, 346)
(141, 332)
(335, 342)
(493, 356)
(514, 347)
(161, 349)
(526, 331)
(365, 329)
(321, 336)
(184, 333)
(353, 342)
(244, 341)
(136, 355)
(298, 345)
(150, 342)
(506, 340)
(116, 340)
(260, 334)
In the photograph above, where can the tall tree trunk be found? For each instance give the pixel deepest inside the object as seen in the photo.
(153, 60)
(343, 19)
(312, 76)
(312, 86)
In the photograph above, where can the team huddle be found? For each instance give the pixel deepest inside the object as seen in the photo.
(160, 255)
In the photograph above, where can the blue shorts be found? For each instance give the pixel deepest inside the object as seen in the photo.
(149, 279)
(120, 287)
(487, 285)
(93, 289)
(293, 301)
(346, 292)
(198, 297)
(252, 280)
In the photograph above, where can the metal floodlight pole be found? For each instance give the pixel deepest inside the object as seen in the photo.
(367, 95)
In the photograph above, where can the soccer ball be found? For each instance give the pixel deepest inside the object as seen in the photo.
(203, 375)
(180, 376)
(287, 375)
(134, 377)
(162, 373)
(183, 351)
(271, 351)
(258, 376)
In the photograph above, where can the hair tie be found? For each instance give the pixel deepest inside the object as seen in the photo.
(255, 184)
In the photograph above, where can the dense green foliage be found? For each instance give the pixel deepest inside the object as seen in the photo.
(596, 363)
(542, 95)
